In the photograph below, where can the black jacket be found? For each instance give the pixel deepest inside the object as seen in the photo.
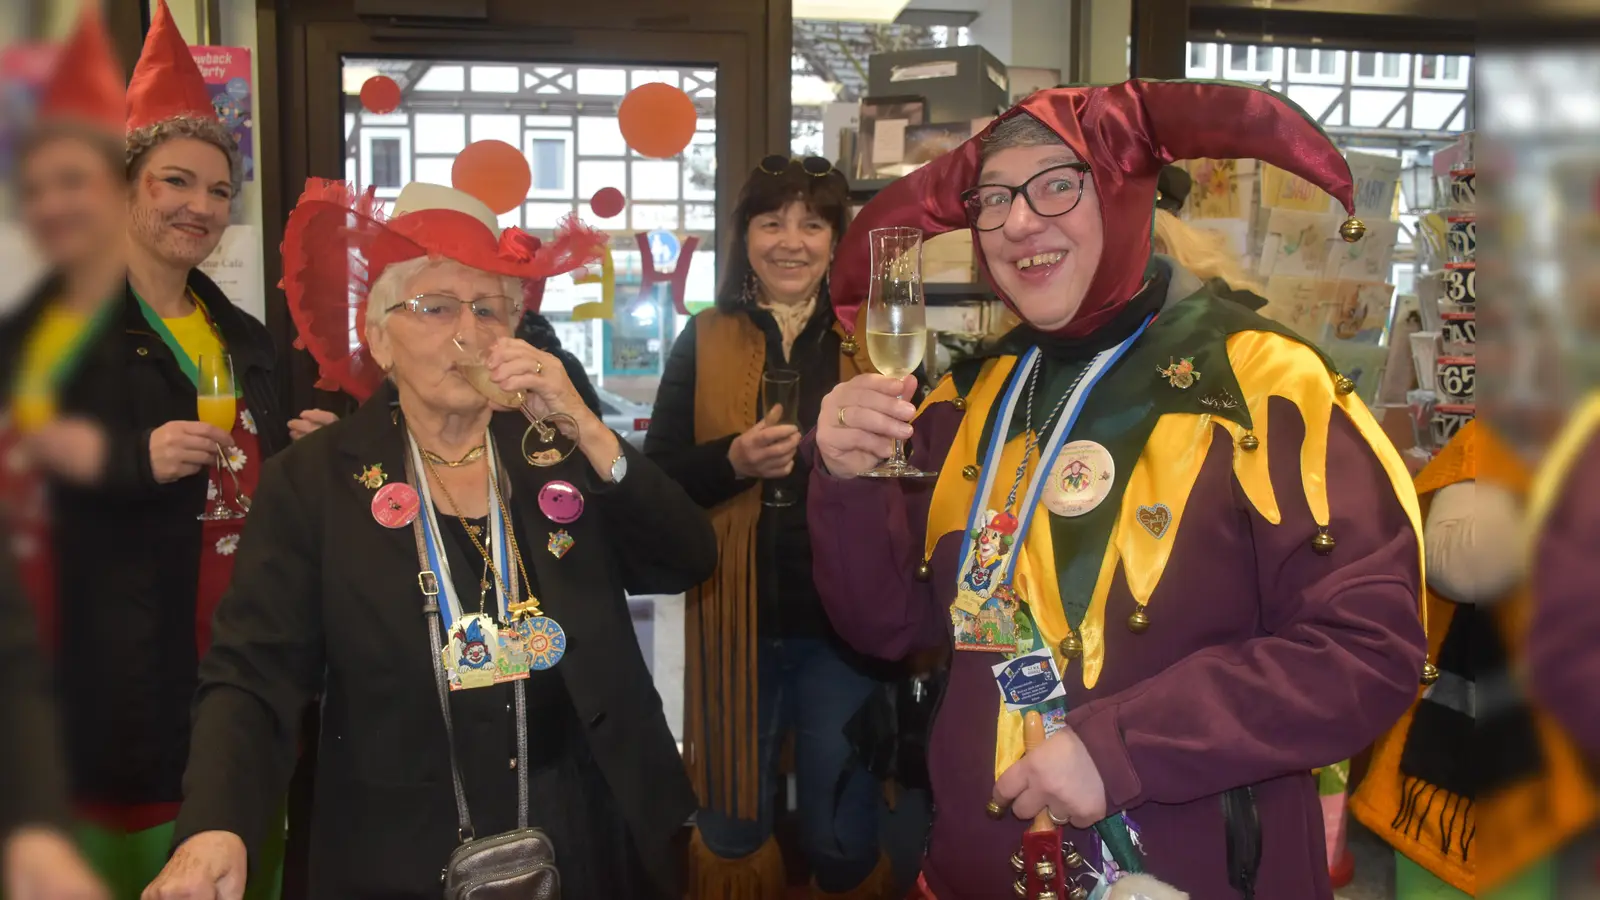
(129, 548)
(325, 599)
(33, 788)
(537, 331)
(787, 600)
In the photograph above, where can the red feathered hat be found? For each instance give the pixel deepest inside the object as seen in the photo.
(86, 85)
(338, 243)
(1126, 133)
(166, 82)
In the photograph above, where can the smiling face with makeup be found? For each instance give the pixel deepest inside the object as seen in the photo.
(181, 195)
(1043, 263)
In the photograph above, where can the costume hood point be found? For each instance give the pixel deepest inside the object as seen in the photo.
(1126, 133)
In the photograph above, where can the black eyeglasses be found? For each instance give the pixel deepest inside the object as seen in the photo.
(1051, 193)
(815, 166)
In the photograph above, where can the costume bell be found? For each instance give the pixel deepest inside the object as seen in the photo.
(1239, 604)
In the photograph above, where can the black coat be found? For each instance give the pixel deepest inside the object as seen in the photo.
(324, 599)
(32, 775)
(129, 548)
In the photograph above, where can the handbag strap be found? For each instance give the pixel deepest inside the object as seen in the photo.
(428, 583)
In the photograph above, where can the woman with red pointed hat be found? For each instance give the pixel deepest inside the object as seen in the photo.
(138, 573)
(1217, 555)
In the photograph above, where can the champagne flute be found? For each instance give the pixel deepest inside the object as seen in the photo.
(217, 406)
(781, 388)
(897, 333)
(474, 367)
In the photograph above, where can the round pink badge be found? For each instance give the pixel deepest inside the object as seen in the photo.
(560, 502)
(396, 505)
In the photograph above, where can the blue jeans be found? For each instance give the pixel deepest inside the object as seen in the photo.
(806, 685)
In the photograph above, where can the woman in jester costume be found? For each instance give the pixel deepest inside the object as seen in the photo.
(1217, 551)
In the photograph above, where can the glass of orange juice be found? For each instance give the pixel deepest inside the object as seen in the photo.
(217, 406)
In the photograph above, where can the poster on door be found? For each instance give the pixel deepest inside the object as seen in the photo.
(226, 71)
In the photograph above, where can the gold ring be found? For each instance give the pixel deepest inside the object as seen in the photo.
(538, 367)
(995, 810)
(840, 417)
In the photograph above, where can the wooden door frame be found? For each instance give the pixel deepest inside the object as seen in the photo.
(312, 128)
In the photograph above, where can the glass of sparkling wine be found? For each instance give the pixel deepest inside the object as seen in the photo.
(897, 334)
(217, 406)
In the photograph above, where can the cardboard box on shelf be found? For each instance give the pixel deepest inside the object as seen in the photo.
(947, 259)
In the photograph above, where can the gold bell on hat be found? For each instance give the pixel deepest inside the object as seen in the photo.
(1021, 886)
(1078, 893)
(1071, 646)
(1045, 869)
(1249, 443)
(1017, 862)
(1073, 859)
(924, 571)
(1343, 386)
(1352, 230)
(1323, 543)
(1430, 674)
(1138, 623)
(1046, 894)
(848, 346)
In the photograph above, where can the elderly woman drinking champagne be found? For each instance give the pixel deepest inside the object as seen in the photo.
(451, 581)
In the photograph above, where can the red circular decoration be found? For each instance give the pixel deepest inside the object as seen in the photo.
(607, 202)
(657, 120)
(380, 94)
(494, 172)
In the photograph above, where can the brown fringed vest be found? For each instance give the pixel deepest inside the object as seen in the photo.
(720, 646)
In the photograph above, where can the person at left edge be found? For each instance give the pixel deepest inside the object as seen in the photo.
(138, 596)
(327, 598)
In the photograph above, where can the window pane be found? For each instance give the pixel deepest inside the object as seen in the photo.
(547, 121)
(595, 174)
(495, 79)
(655, 181)
(1428, 66)
(650, 216)
(1452, 67)
(441, 133)
(1197, 56)
(545, 216)
(497, 128)
(1238, 56)
(603, 81)
(1327, 63)
(1302, 61)
(443, 78)
(549, 164)
(700, 217)
(1366, 64)
(433, 169)
(700, 168)
(1391, 64)
(1266, 59)
(652, 76)
(385, 163)
(600, 136)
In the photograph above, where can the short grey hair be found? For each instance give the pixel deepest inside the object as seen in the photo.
(390, 288)
(1021, 130)
(142, 140)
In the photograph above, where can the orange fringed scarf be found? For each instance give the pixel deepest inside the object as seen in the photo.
(720, 620)
(1522, 824)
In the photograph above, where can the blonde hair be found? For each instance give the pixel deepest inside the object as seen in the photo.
(1203, 252)
(388, 290)
(140, 141)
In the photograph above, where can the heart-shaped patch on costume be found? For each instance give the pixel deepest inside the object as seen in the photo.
(1155, 519)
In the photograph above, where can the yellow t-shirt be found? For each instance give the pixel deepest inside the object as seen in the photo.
(194, 335)
(55, 334)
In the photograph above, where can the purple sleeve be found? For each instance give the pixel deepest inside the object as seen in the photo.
(1339, 649)
(1564, 635)
(866, 544)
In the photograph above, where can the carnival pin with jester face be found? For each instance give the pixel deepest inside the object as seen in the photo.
(470, 656)
(982, 568)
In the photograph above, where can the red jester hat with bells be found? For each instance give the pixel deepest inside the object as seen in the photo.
(338, 243)
(86, 85)
(1125, 133)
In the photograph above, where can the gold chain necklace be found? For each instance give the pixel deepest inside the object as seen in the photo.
(473, 455)
(532, 604)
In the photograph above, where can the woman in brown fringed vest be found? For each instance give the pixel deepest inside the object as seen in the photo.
(762, 657)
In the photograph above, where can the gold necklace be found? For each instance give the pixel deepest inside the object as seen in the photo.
(532, 604)
(473, 455)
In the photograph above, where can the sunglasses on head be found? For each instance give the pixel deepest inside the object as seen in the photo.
(815, 166)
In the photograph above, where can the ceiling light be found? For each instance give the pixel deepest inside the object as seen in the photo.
(879, 11)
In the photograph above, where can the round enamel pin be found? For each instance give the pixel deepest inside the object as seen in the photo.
(396, 505)
(545, 640)
(1080, 479)
(560, 502)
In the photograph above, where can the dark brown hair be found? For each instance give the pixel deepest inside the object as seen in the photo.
(826, 195)
(110, 147)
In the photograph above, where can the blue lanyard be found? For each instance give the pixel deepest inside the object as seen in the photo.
(1102, 363)
(439, 561)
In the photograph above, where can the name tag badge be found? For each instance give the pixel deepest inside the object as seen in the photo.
(1028, 680)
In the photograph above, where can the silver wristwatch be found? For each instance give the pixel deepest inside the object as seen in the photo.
(619, 468)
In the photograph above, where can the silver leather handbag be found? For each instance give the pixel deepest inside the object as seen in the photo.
(514, 865)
